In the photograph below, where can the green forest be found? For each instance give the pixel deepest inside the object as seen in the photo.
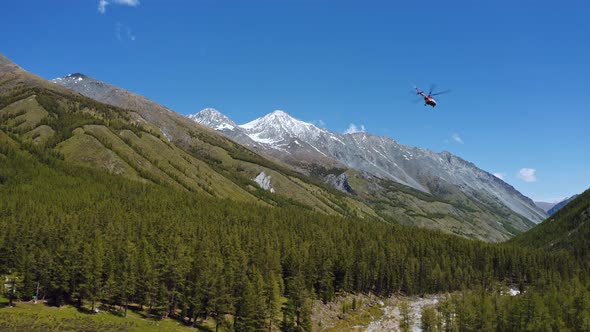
(562, 306)
(78, 236)
(543, 305)
(568, 229)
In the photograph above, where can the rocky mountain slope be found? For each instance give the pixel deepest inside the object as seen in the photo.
(298, 143)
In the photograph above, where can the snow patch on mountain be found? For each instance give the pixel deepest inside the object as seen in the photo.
(224, 126)
(339, 182)
(71, 78)
(166, 134)
(263, 181)
(256, 137)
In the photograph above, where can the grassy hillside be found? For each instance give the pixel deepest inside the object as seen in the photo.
(568, 229)
(41, 317)
(47, 119)
(449, 210)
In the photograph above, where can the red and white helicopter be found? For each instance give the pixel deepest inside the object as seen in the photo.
(428, 100)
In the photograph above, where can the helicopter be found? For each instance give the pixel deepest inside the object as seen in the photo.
(428, 100)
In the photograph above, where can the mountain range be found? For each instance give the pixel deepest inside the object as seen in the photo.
(307, 147)
(273, 160)
(552, 207)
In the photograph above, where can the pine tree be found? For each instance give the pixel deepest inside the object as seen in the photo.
(94, 250)
(447, 315)
(247, 308)
(429, 320)
(14, 290)
(406, 319)
(272, 301)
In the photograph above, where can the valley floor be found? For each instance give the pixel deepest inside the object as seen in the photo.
(370, 313)
(391, 316)
(346, 313)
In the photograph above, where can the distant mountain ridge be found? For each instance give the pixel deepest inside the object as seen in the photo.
(553, 207)
(296, 141)
(545, 206)
(561, 204)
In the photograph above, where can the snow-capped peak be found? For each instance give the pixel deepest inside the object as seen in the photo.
(212, 118)
(75, 78)
(277, 116)
(278, 126)
(210, 113)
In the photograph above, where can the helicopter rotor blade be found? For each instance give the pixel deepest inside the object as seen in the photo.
(432, 87)
(440, 93)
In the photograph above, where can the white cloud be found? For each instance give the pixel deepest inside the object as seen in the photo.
(354, 129)
(527, 174)
(102, 4)
(132, 3)
(122, 31)
(500, 176)
(457, 138)
(130, 34)
(319, 123)
(118, 31)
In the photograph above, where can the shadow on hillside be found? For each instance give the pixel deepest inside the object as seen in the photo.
(157, 314)
(144, 313)
(84, 310)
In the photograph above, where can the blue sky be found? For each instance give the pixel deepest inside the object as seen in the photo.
(518, 69)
